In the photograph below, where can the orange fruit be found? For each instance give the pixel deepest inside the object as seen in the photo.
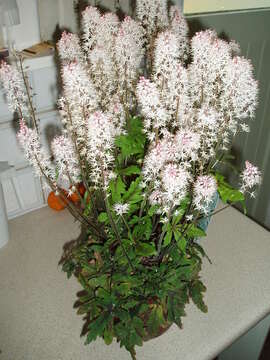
(55, 202)
(81, 189)
(75, 197)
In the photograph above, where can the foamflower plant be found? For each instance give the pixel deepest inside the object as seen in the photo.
(148, 117)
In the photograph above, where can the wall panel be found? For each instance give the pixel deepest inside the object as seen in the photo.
(251, 30)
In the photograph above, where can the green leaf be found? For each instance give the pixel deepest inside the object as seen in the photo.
(195, 232)
(167, 238)
(133, 169)
(132, 143)
(182, 244)
(176, 306)
(227, 193)
(97, 327)
(147, 223)
(123, 288)
(103, 217)
(143, 308)
(85, 197)
(123, 315)
(117, 188)
(178, 217)
(134, 193)
(68, 267)
(143, 229)
(196, 290)
(121, 330)
(108, 337)
(139, 325)
(243, 203)
(134, 220)
(156, 319)
(184, 203)
(145, 249)
(220, 178)
(201, 251)
(153, 209)
(177, 234)
(134, 339)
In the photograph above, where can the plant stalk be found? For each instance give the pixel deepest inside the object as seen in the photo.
(114, 227)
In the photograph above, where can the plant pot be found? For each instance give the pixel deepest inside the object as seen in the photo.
(204, 223)
(152, 335)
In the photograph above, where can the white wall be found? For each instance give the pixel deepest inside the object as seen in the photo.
(48, 17)
(27, 32)
(61, 12)
(202, 6)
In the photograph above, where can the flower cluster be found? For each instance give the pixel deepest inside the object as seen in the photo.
(167, 168)
(166, 57)
(153, 16)
(174, 182)
(251, 177)
(13, 85)
(121, 209)
(180, 28)
(30, 143)
(78, 88)
(98, 29)
(205, 189)
(192, 111)
(69, 47)
(101, 136)
(66, 160)
(103, 74)
(78, 102)
(223, 83)
(193, 97)
(149, 100)
(128, 53)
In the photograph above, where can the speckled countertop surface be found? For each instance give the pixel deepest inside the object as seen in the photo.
(38, 322)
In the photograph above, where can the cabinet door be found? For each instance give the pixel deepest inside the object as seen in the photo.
(5, 114)
(44, 83)
(22, 192)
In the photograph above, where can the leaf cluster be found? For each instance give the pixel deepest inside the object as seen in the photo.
(138, 278)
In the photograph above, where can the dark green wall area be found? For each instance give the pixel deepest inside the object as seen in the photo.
(252, 30)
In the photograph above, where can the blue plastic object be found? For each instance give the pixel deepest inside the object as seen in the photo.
(203, 223)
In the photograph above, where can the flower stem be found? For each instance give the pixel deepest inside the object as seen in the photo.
(128, 228)
(114, 227)
(27, 88)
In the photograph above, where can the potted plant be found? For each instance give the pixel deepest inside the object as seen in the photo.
(148, 118)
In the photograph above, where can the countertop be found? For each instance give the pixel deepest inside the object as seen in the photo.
(37, 319)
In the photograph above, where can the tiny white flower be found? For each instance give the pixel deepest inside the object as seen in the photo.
(121, 209)
(189, 217)
(205, 188)
(252, 195)
(251, 176)
(70, 193)
(245, 128)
